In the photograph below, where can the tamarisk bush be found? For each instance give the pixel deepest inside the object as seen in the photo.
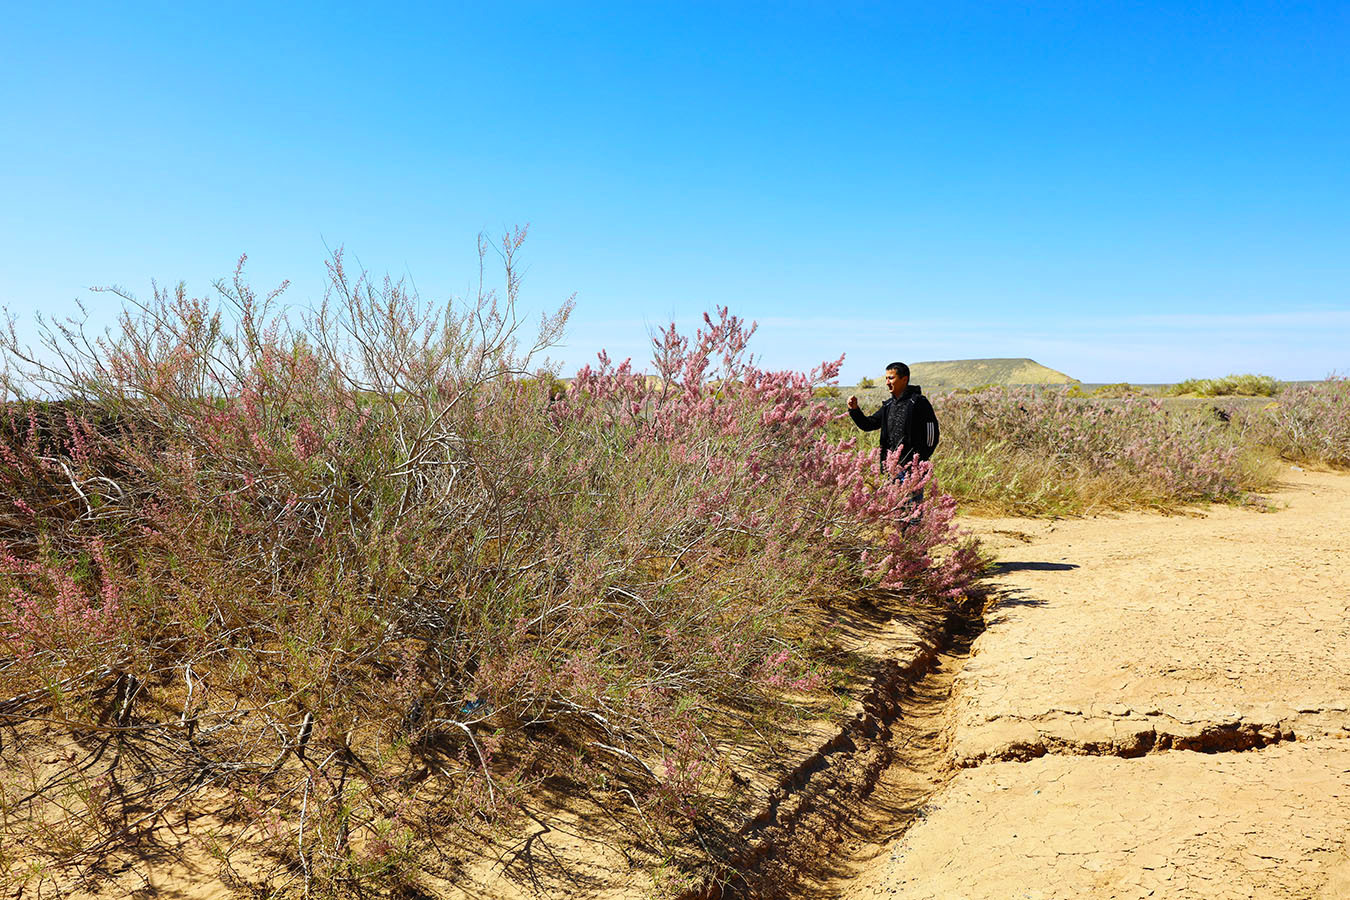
(370, 574)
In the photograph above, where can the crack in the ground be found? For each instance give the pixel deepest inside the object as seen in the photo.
(1070, 733)
(1229, 737)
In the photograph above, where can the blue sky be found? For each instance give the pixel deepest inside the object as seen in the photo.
(1133, 191)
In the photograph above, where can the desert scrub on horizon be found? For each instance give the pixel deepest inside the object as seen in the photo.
(1037, 452)
(1229, 386)
(367, 573)
(1303, 423)
(1117, 391)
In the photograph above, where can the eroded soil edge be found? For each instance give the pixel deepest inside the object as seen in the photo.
(819, 824)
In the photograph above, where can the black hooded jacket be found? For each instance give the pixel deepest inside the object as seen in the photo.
(907, 424)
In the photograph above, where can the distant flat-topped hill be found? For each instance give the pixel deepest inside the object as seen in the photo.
(969, 373)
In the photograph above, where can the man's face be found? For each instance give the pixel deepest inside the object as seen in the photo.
(895, 383)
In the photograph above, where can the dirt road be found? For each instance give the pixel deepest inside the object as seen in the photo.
(1157, 708)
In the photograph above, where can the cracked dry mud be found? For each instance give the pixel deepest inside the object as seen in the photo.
(1157, 708)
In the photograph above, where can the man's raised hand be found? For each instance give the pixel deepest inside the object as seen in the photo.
(852, 402)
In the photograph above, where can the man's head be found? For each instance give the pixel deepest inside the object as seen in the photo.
(897, 378)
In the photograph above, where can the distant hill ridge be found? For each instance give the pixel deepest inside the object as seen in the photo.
(969, 373)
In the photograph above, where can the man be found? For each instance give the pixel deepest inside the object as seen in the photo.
(906, 419)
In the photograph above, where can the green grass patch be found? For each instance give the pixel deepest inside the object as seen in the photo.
(1229, 386)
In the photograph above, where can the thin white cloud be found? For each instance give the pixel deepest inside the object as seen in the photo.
(1287, 319)
(907, 322)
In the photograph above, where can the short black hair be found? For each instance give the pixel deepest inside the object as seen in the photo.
(898, 368)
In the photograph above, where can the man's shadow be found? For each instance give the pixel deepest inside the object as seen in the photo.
(1003, 595)
(1004, 568)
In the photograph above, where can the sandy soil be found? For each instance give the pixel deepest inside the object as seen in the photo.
(1158, 707)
